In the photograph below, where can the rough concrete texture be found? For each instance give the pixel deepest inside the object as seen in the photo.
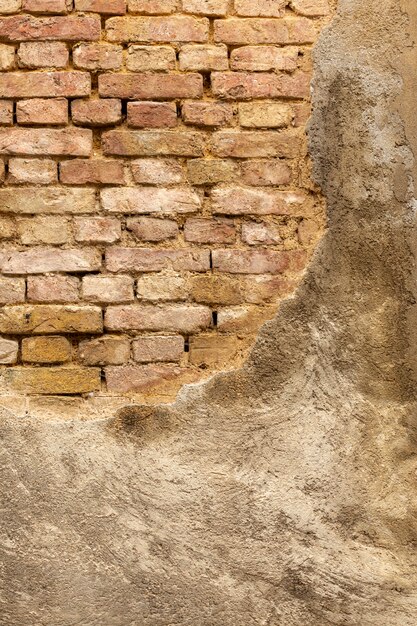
(282, 493)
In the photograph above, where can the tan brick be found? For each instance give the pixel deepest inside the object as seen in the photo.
(44, 85)
(206, 7)
(150, 200)
(12, 290)
(109, 7)
(264, 58)
(35, 171)
(49, 200)
(264, 173)
(158, 349)
(40, 229)
(256, 233)
(151, 143)
(40, 260)
(152, 114)
(7, 227)
(46, 141)
(179, 28)
(265, 114)
(255, 261)
(46, 350)
(50, 319)
(162, 287)
(107, 350)
(311, 8)
(152, 7)
(247, 85)
(213, 350)
(207, 113)
(7, 57)
(155, 260)
(180, 318)
(255, 144)
(96, 112)
(203, 58)
(247, 201)
(216, 289)
(259, 289)
(61, 28)
(97, 56)
(41, 111)
(33, 55)
(145, 378)
(54, 380)
(241, 31)
(150, 59)
(112, 289)
(97, 229)
(145, 86)
(302, 113)
(6, 113)
(209, 231)
(211, 171)
(152, 229)
(53, 289)
(260, 8)
(91, 171)
(10, 6)
(157, 172)
(45, 6)
(8, 351)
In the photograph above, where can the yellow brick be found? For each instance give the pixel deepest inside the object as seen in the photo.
(50, 319)
(46, 350)
(54, 380)
(213, 350)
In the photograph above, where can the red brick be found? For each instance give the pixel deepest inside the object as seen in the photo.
(12, 290)
(152, 7)
(265, 173)
(44, 85)
(97, 229)
(43, 230)
(173, 318)
(266, 288)
(264, 59)
(50, 319)
(62, 28)
(265, 114)
(209, 231)
(97, 56)
(91, 171)
(302, 113)
(96, 112)
(256, 233)
(311, 8)
(10, 6)
(53, 289)
(247, 201)
(152, 229)
(144, 378)
(33, 55)
(40, 111)
(157, 172)
(41, 260)
(162, 349)
(260, 8)
(179, 28)
(152, 114)
(110, 289)
(150, 200)
(250, 261)
(107, 350)
(150, 86)
(6, 113)
(49, 200)
(211, 171)
(244, 86)
(109, 7)
(255, 144)
(241, 31)
(45, 6)
(150, 59)
(151, 143)
(7, 57)
(203, 58)
(207, 113)
(155, 260)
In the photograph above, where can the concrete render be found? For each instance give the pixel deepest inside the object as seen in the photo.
(283, 493)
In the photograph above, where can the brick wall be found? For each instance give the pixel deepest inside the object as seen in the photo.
(156, 202)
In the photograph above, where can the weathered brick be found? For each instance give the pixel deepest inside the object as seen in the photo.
(255, 233)
(150, 59)
(216, 289)
(86, 171)
(97, 229)
(34, 171)
(41, 260)
(207, 113)
(241, 31)
(54, 380)
(62, 28)
(7, 57)
(155, 260)
(255, 144)
(41, 229)
(162, 287)
(264, 58)
(46, 350)
(245, 86)
(10, 6)
(209, 231)
(110, 289)
(260, 288)
(302, 113)
(8, 351)
(248, 201)
(44, 85)
(265, 173)
(109, 7)
(33, 55)
(12, 290)
(50, 200)
(152, 114)
(40, 111)
(243, 319)
(158, 349)
(96, 112)
(157, 171)
(180, 318)
(150, 86)
(45, 6)
(211, 171)
(50, 319)
(206, 7)
(2, 171)
(145, 379)
(265, 114)
(7, 227)
(150, 200)
(53, 289)
(152, 229)
(151, 143)
(97, 56)
(6, 113)
(254, 261)
(213, 350)
(260, 8)
(179, 28)
(152, 7)
(45, 141)
(107, 350)
(203, 58)
(311, 8)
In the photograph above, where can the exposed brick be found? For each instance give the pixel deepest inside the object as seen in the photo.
(213, 350)
(265, 114)
(152, 7)
(206, 7)
(10, 6)
(54, 380)
(62, 28)
(110, 289)
(45, 141)
(44, 85)
(216, 289)
(251, 261)
(150, 86)
(150, 59)
(46, 350)
(34, 171)
(33, 55)
(152, 229)
(203, 58)
(150, 143)
(150, 200)
(7, 227)
(40, 229)
(45, 6)
(109, 7)
(157, 171)
(209, 231)
(97, 56)
(311, 8)
(302, 113)
(173, 318)
(260, 8)
(97, 229)
(244, 85)
(264, 173)
(97, 172)
(41, 111)
(247, 201)
(267, 288)
(162, 287)
(7, 57)
(107, 350)
(12, 290)
(2, 171)
(254, 233)
(264, 58)
(241, 31)
(155, 260)
(48, 200)
(41, 260)
(53, 289)
(152, 114)
(158, 349)
(255, 144)
(207, 113)
(211, 171)
(179, 28)
(8, 351)
(50, 319)
(144, 378)
(96, 112)
(243, 319)
(6, 112)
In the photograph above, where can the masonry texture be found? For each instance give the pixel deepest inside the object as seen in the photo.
(156, 201)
